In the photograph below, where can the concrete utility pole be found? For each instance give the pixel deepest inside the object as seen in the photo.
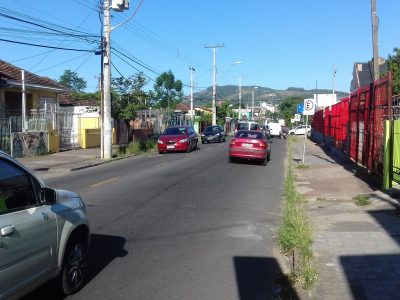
(375, 40)
(107, 131)
(118, 5)
(191, 93)
(23, 102)
(333, 83)
(214, 110)
(240, 98)
(252, 102)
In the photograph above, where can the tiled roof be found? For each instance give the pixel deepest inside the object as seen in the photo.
(68, 100)
(11, 73)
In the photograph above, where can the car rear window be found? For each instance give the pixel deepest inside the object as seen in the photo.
(253, 126)
(175, 131)
(250, 135)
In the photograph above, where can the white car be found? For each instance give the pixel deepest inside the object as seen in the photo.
(301, 129)
(275, 129)
(44, 233)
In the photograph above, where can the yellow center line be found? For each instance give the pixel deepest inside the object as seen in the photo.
(105, 181)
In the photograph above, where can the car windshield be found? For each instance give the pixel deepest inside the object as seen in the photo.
(249, 135)
(175, 131)
(212, 129)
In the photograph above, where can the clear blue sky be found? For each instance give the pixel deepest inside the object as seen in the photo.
(281, 44)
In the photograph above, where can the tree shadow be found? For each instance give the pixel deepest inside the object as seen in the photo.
(261, 278)
(103, 250)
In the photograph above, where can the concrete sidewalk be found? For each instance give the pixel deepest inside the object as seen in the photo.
(357, 248)
(47, 166)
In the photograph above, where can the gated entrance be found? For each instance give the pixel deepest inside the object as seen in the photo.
(5, 135)
(69, 134)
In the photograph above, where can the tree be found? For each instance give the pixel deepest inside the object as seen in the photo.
(128, 96)
(393, 63)
(72, 81)
(288, 108)
(167, 91)
(225, 110)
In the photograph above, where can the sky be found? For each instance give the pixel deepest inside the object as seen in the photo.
(280, 44)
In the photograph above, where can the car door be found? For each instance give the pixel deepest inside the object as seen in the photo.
(27, 230)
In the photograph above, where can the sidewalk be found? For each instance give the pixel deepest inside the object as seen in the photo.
(357, 248)
(55, 164)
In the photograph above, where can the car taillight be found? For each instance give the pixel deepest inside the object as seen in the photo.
(262, 145)
(232, 143)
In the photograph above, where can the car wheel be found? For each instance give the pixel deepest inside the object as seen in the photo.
(74, 265)
(189, 148)
(231, 159)
(269, 157)
(160, 152)
(203, 142)
(264, 162)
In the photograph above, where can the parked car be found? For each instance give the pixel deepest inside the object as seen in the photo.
(178, 138)
(213, 133)
(44, 233)
(275, 129)
(250, 145)
(247, 125)
(301, 129)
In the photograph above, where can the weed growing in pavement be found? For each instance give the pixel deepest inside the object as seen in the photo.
(302, 167)
(321, 199)
(137, 147)
(295, 235)
(362, 200)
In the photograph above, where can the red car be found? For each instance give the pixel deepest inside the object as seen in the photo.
(178, 138)
(250, 145)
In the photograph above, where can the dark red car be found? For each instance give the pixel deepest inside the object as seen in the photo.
(178, 138)
(250, 145)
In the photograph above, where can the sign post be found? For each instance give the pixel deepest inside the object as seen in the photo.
(309, 109)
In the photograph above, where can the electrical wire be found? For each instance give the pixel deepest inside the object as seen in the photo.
(45, 46)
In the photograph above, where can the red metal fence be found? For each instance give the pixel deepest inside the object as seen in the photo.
(355, 125)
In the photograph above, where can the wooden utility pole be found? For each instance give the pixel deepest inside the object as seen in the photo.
(375, 40)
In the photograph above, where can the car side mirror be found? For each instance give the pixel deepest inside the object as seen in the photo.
(48, 196)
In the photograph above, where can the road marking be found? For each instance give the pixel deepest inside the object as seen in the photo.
(105, 181)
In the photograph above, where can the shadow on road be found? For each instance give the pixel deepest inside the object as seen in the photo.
(103, 250)
(261, 278)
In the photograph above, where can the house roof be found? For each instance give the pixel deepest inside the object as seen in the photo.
(10, 75)
(69, 100)
(363, 73)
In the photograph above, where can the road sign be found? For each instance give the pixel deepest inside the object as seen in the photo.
(309, 107)
(300, 108)
(297, 117)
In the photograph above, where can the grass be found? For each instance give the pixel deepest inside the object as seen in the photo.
(321, 199)
(302, 167)
(137, 147)
(362, 200)
(295, 234)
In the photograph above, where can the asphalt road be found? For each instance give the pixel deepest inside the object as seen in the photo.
(180, 226)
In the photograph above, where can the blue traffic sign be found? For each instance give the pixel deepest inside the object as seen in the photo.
(300, 108)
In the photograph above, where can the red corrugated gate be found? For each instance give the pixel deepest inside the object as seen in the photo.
(355, 125)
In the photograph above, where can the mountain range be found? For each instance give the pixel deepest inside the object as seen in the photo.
(261, 94)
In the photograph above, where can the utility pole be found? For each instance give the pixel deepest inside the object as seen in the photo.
(23, 102)
(333, 83)
(118, 5)
(214, 111)
(191, 93)
(107, 136)
(252, 102)
(375, 40)
(240, 98)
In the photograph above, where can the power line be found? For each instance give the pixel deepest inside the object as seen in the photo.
(45, 46)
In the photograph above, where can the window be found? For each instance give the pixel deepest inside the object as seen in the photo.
(16, 189)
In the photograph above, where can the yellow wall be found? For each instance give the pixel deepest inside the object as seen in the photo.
(54, 141)
(90, 138)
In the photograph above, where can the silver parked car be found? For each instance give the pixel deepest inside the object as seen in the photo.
(44, 233)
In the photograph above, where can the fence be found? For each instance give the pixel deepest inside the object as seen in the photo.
(355, 125)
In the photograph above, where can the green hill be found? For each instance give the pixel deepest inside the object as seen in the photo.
(261, 94)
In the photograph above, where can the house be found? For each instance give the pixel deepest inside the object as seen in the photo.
(363, 73)
(28, 104)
